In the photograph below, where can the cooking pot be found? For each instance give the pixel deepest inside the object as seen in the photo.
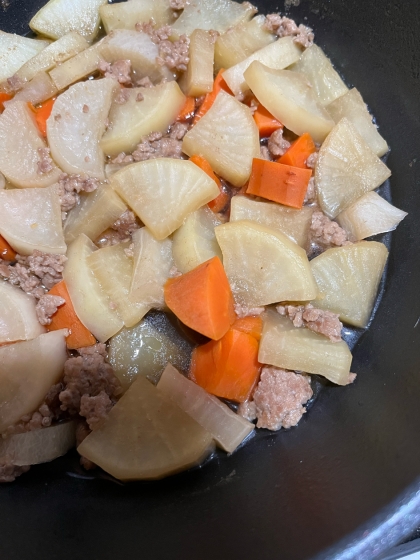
(345, 482)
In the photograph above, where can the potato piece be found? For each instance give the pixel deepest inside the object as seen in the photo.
(318, 69)
(90, 302)
(37, 90)
(18, 318)
(369, 215)
(146, 436)
(195, 241)
(263, 265)
(285, 346)
(27, 372)
(293, 223)
(348, 278)
(158, 108)
(125, 15)
(15, 51)
(31, 219)
(290, 98)
(198, 79)
(76, 125)
(59, 17)
(239, 42)
(227, 137)
(146, 348)
(163, 191)
(346, 169)
(277, 55)
(96, 212)
(20, 142)
(219, 15)
(352, 106)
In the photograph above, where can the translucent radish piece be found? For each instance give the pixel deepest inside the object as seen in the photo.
(157, 108)
(227, 137)
(20, 145)
(152, 264)
(352, 106)
(76, 125)
(290, 98)
(37, 90)
(263, 265)
(219, 15)
(198, 79)
(56, 53)
(348, 278)
(346, 169)
(278, 55)
(293, 223)
(318, 69)
(38, 446)
(113, 270)
(146, 436)
(59, 17)
(227, 428)
(31, 219)
(286, 346)
(146, 348)
(92, 305)
(27, 372)
(18, 318)
(15, 51)
(370, 215)
(241, 41)
(96, 212)
(125, 15)
(162, 192)
(195, 241)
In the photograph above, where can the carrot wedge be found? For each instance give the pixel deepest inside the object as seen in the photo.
(6, 251)
(249, 325)
(66, 318)
(278, 182)
(202, 299)
(4, 97)
(299, 152)
(220, 201)
(219, 84)
(187, 110)
(266, 123)
(42, 114)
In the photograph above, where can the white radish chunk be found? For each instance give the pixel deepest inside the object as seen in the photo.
(31, 219)
(76, 125)
(37, 90)
(198, 79)
(15, 51)
(125, 15)
(227, 137)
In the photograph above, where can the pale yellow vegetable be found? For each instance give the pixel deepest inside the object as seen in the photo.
(38, 90)
(76, 125)
(352, 106)
(227, 428)
(146, 436)
(146, 110)
(58, 17)
(227, 137)
(90, 302)
(27, 372)
(31, 219)
(15, 51)
(346, 169)
(290, 98)
(195, 241)
(20, 142)
(198, 79)
(239, 42)
(294, 223)
(318, 69)
(370, 215)
(263, 265)
(38, 446)
(18, 318)
(125, 15)
(278, 55)
(348, 278)
(163, 191)
(286, 346)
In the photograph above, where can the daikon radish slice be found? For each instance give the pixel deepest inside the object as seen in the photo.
(38, 90)
(198, 79)
(125, 15)
(15, 51)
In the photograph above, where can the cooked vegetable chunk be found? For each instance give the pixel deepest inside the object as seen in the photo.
(198, 79)
(125, 15)
(18, 319)
(15, 51)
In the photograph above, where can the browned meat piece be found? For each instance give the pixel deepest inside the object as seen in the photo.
(120, 70)
(243, 311)
(157, 35)
(126, 224)
(9, 472)
(278, 399)
(310, 195)
(277, 145)
(69, 187)
(178, 130)
(317, 320)
(45, 163)
(155, 145)
(47, 306)
(145, 82)
(283, 27)
(95, 409)
(312, 159)
(265, 153)
(175, 55)
(248, 410)
(325, 233)
(123, 96)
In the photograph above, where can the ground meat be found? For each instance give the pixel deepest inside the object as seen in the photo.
(177, 4)
(9, 472)
(243, 311)
(178, 130)
(69, 187)
(310, 195)
(248, 410)
(47, 306)
(95, 409)
(175, 55)
(277, 145)
(126, 225)
(174, 272)
(145, 82)
(129, 252)
(265, 153)
(122, 97)
(120, 70)
(283, 27)
(312, 159)
(325, 233)
(278, 398)
(317, 320)
(155, 145)
(45, 163)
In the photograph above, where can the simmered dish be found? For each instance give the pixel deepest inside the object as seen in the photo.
(187, 200)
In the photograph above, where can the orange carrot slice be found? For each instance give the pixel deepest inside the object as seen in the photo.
(219, 84)
(299, 152)
(250, 325)
(219, 203)
(4, 97)
(202, 299)
(6, 251)
(42, 114)
(278, 182)
(187, 110)
(266, 123)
